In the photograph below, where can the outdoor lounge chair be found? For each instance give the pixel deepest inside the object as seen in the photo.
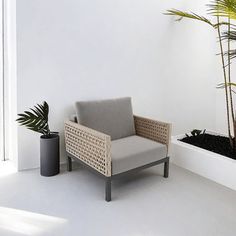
(111, 141)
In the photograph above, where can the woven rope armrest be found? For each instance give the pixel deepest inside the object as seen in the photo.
(155, 130)
(90, 146)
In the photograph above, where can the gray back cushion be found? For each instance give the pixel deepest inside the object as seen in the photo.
(113, 117)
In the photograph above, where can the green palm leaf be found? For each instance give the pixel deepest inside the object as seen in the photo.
(36, 119)
(230, 35)
(224, 8)
(182, 14)
(231, 53)
(222, 86)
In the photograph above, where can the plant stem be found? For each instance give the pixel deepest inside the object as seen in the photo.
(230, 86)
(234, 136)
(229, 73)
(225, 78)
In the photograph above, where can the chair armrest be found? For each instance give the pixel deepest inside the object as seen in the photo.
(155, 130)
(90, 146)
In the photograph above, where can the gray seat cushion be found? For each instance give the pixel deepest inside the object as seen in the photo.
(135, 151)
(113, 117)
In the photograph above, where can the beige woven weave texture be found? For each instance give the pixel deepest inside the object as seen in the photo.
(94, 148)
(90, 146)
(155, 130)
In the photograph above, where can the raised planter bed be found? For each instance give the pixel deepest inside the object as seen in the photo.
(213, 166)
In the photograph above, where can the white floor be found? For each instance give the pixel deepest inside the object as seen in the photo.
(72, 204)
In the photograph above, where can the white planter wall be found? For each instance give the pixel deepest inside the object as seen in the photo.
(205, 163)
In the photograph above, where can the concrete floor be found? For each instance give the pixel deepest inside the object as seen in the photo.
(72, 204)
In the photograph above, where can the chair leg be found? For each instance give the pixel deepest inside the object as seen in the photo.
(108, 189)
(166, 169)
(69, 164)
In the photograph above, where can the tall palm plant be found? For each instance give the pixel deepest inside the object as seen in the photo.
(224, 12)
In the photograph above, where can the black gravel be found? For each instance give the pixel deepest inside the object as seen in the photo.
(214, 143)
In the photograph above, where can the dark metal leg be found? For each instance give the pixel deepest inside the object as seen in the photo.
(69, 164)
(108, 189)
(166, 169)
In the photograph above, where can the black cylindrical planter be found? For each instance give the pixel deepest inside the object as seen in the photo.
(49, 155)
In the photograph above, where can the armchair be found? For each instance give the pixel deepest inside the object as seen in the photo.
(112, 142)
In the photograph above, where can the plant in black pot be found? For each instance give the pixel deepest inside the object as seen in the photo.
(222, 18)
(37, 120)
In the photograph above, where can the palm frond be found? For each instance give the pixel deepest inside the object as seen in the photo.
(229, 35)
(223, 8)
(36, 119)
(191, 15)
(231, 53)
(223, 85)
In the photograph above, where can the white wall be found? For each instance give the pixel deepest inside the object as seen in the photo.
(70, 50)
(8, 88)
(11, 82)
(1, 92)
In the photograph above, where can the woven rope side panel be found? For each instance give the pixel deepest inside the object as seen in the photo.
(151, 129)
(89, 147)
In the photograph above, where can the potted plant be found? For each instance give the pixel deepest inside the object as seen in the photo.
(224, 12)
(37, 120)
(208, 153)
